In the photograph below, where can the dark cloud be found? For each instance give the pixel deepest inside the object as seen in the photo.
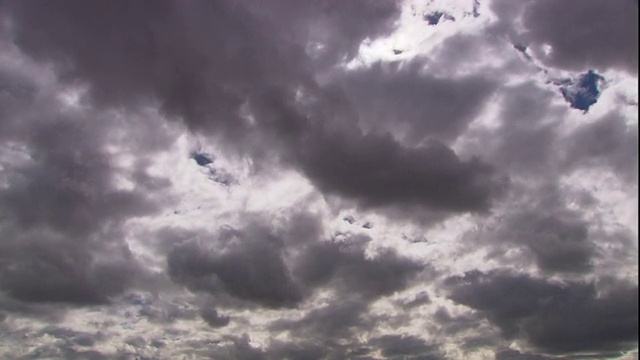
(344, 265)
(510, 354)
(71, 179)
(552, 317)
(202, 61)
(454, 324)
(296, 351)
(246, 263)
(61, 207)
(375, 170)
(166, 61)
(558, 239)
(211, 317)
(62, 217)
(247, 266)
(597, 34)
(279, 268)
(582, 34)
(327, 325)
(405, 347)
(265, 83)
(171, 62)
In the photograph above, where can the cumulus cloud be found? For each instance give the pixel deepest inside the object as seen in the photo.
(553, 317)
(243, 180)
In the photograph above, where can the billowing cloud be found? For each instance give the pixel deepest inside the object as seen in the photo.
(290, 179)
(595, 35)
(246, 268)
(553, 317)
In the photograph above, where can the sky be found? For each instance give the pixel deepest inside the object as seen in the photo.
(306, 180)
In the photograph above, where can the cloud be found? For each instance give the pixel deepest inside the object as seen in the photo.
(63, 215)
(175, 60)
(400, 347)
(552, 317)
(607, 142)
(407, 101)
(259, 81)
(344, 265)
(558, 239)
(375, 171)
(211, 317)
(595, 35)
(243, 180)
(328, 323)
(246, 266)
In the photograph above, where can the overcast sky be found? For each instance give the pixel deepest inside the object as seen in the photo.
(306, 180)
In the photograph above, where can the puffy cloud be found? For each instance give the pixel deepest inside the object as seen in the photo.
(344, 265)
(375, 170)
(246, 267)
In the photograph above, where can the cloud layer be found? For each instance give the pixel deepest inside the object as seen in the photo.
(318, 180)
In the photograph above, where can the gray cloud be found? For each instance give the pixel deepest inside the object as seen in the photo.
(406, 100)
(375, 170)
(82, 207)
(201, 61)
(597, 34)
(558, 239)
(247, 267)
(208, 94)
(297, 351)
(608, 143)
(552, 317)
(211, 317)
(406, 347)
(344, 265)
(249, 264)
(509, 354)
(62, 217)
(528, 138)
(327, 325)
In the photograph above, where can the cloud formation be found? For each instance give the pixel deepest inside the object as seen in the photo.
(318, 180)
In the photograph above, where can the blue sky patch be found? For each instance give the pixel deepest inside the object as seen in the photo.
(582, 93)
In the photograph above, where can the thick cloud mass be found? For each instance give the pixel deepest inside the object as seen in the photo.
(553, 317)
(610, 41)
(287, 179)
(61, 213)
(346, 265)
(414, 104)
(252, 269)
(376, 170)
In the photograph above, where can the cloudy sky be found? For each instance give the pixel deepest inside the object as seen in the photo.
(293, 179)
